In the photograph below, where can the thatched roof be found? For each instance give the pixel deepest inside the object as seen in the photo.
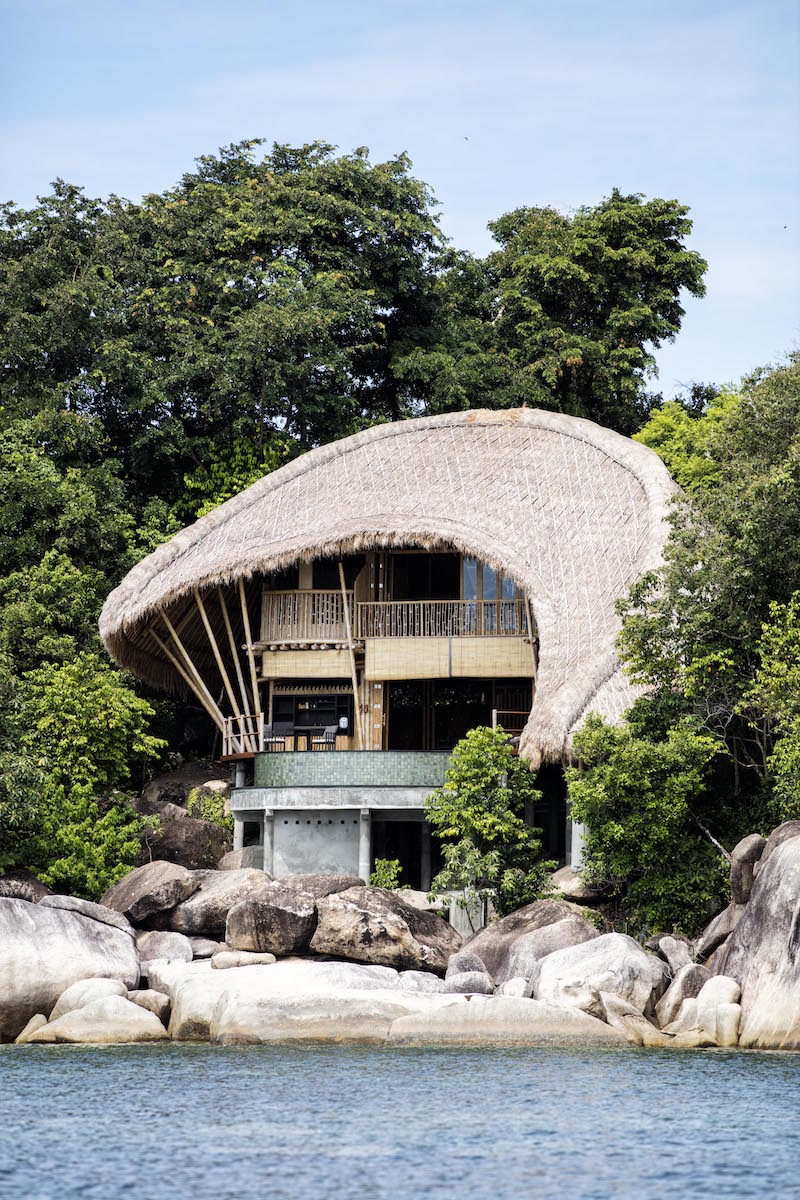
(573, 512)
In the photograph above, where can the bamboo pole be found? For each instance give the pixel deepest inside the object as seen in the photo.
(249, 641)
(532, 634)
(246, 737)
(186, 678)
(234, 652)
(193, 669)
(356, 705)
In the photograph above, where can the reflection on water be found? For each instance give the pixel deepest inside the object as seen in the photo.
(328, 1121)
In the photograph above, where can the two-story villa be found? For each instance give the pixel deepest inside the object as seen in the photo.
(345, 620)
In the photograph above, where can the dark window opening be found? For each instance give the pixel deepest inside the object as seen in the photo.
(252, 833)
(426, 576)
(306, 712)
(326, 572)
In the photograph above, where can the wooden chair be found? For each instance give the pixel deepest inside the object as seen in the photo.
(326, 740)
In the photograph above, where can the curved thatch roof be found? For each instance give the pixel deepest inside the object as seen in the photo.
(573, 512)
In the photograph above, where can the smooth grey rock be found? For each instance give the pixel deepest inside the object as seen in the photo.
(421, 982)
(685, 986)
(195, 988)
(464, 960)
(518, 987)
(344, 1016)
(718, 931)
(783, 833)
(720, 989)
(206, 911)
(612, 963)
(155, 1002)
(44, 950)
(247, 856)
(111, 1019)
(469, 983)
(744, 857)
(685, 1020)
(19, 884)
(528, 949)
(721, 1023)
(628, 1020)
(501, 1020)
(280, 922)
(493, 944)
(763, 953)
(374, 925)
(240, 958)
(157, 943)
(205, 947)
(572, 886)
(36, 1022)
(150, 889)
(97, 912)
(319, 885)
(84, 992)
(417, 899)
(677, 952)
(165, 810)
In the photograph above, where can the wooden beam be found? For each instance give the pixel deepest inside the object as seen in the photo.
(532, 634)
(234, 652)
(249, 642)
(356, 705)
(193, 671)
(246, 738)
(183, 674)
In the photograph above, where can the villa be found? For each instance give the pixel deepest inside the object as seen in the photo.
(348, 618)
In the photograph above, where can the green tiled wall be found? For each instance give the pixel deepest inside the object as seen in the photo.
(350, 768)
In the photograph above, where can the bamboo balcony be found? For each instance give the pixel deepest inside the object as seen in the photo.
(442, 618)
(307, 618)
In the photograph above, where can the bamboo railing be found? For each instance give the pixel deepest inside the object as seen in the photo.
(442, 618)
(308, 616)
(243, 735)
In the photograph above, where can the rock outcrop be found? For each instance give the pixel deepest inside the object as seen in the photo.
(191, 843)
(493, 944)
(375, 926)
(206, 911)
(501, 1020)
(153, 888)
(111, 1019)
(44, 950)
(613, 963)
(19, 884)
(744, 857)
(763, 953)
(281, 922)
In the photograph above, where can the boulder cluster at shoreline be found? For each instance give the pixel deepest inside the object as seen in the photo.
(233, 957)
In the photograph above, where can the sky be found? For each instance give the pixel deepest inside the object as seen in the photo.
(549, 102)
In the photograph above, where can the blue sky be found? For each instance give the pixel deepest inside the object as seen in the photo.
(498, 105)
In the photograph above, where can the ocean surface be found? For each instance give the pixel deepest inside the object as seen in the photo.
(175, 1121)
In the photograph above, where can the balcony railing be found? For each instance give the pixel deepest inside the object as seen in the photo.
(312, 617)
(442, 618)
(243, 736)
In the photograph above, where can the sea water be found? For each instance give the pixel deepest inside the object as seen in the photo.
(194, 1121)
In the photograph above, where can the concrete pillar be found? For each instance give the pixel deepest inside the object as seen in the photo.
(577, 846)
(239, 775)
(425, 863)
(268, 840)
(365, 845)
(238, 832)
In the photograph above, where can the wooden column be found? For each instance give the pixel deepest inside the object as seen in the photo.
(249, 642)
(351, 648)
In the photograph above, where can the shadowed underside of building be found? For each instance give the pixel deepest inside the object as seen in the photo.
(347, 618)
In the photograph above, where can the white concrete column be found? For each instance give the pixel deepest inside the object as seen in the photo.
(577, 845)
(425, 863)
(238, 832)
(365, 845)
(268, 840)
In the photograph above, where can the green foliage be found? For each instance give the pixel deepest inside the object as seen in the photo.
(84, 730)
(566, 313)
(209, 806)
(479, 816)
(386, 874)
(640, 800)
(230, 472)
(775, 695)
(681, 438)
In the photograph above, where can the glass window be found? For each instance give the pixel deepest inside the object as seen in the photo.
(470, 579)
(508, 589)
(489, 583)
